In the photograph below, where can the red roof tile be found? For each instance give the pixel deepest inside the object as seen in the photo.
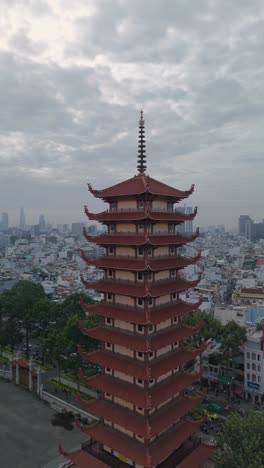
(141, 370)
(154, 289)
(136, 215)
(137, 342)
(83, 459)
(137, 239)
(138, 264)
(198, 457)
(140, 184)
(148, 456)
(147, 427)
(141, 316)
(140, 397)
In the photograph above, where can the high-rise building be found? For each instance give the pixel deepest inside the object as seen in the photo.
(187, 226)
(77, 229)
(22, 219)
(42, 223)
(146, 368)
(4, 222)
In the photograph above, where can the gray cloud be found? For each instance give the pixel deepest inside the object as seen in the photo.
(73, 76)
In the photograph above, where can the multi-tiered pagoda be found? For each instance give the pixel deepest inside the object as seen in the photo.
(142, 349)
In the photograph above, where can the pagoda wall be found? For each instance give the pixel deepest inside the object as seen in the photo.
(125, 251)
(162, 250)
(160, 227)
(159, 203)
(126, 300)
(126, 227)
(127, 204)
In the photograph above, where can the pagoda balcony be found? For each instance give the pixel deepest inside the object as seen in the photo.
(131, 393)
(141, 264)
(146, 426)
(141, 289)
(147, 455)
(141, 342)
(137, 214)
(140, 369)
(133, 239)
(138, 315)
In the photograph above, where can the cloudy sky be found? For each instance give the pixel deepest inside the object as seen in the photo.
(75, 73)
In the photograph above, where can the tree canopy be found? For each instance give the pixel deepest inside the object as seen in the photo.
(241, 445)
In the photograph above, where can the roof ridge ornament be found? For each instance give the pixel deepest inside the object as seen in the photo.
(141, 162)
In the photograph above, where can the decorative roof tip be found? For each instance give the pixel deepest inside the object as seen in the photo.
(141, 162)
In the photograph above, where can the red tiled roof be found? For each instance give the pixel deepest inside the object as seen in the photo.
(141, 370)
(136, 395)
(83, 459)
(141, 316)
(198, 457)
(136, 215)
(137, 239)
(147, 427)
(140, 184)
(148, 456)
(138, 264)
(154, 289)
(137, 342)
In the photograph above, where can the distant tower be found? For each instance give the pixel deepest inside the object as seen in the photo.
(245, 226)
(22, 219)
(42, 223)
(187, 226)
(4, 223)
(143, 353)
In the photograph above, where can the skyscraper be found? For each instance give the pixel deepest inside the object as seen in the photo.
(245, 226)
(4, 222)
(145, 363)
(42, 223)
(187, 226)
(22, 219)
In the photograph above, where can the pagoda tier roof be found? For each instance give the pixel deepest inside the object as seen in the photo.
(148, 455)
(155, 289)
(139, 185)
(141, 316)
(138, 396)
(141, 342)
(109, 216)
(83, 459)
(197, 457)
(158, 239)
(140, 369)
(142, 264)
(146, 426)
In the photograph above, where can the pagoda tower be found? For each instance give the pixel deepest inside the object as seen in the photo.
(143, 351)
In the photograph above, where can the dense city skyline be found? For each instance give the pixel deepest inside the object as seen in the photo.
(71, 98)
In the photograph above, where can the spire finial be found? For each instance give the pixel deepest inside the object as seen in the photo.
(141, 163)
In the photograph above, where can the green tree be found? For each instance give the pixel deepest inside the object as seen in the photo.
(241, 445)
(233, 337)
(212, 328)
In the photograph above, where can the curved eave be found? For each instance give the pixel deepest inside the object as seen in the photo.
(137, 396)
(137, 290)
(140, 370)
(139, 185)
(136, 215)
(137, 342)
(147, 456)
(148, 427)
(137, 264)
(140, 240)
(82, 459)
(141, 316)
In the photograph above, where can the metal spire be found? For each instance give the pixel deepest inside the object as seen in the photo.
(141, 162)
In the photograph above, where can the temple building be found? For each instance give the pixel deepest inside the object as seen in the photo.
(147, 358)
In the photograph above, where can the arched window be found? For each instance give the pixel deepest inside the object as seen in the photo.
(253, 377)
(253, 356)
(259, 368)
(253, 366)
(259, 379)
(248, 365)
(248, 355)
